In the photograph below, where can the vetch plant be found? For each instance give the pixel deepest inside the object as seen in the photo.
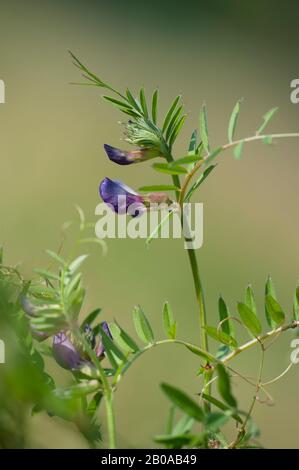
(98, 355)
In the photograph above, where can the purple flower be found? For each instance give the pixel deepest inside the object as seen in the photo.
(65, 353)
(100, 348)
(123, 157)
(121, 197)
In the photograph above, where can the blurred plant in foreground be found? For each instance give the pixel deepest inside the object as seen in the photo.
(49, 306)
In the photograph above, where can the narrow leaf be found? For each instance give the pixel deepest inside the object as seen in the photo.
(203, 128)
(91, 317)
(175, 118)
(117, 103)
(224, 386)
(250, 300)
(154, 106)
(74, 265)
(199, 181)
(175, 132)
(267, 117)
(227, 325)
(275, 310)
(168, 321)
(212, 156)
(219, 335)
(143, 102)
(192, 143)
(269, 290)
(110, 346)
(79, 390)
(142, 326)
(296, 305)
(169, 113)
(249, 319)
(94, 404)
(159, 187)
(124, 341)
(55, 257)
(169, 169)
(233, 121)
(185, 160)
(183, 401)
(133, 101)
(47, 274)
(220, 405)
(216, 420)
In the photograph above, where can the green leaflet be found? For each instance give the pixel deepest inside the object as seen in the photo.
(274, 310)
(122, 339)
(142, 326)
(219, 335)
(221, 406)
(212, 155)
(249, 319)
(233, 121)
(91, 317)
(224, 386)
(267, 117)
(168, 321)
(159, 187)
(203, 128)
(269, 290)
(143, 102)
(183, 401)
(170, 113)
(169, 168)
(198, 182)
(155, 106)
(227, 325)
(296, 305)
(250, 299)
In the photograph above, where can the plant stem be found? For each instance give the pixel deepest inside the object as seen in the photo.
(196, 279)
(260, 339)
(110, 420)
(199, 298)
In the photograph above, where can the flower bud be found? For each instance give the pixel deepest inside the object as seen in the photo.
(123, 157)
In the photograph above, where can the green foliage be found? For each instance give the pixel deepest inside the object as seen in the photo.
(224, 386)
(183, 402)
(142, 326)
(170, 326)
(249, 319)
(233, 121)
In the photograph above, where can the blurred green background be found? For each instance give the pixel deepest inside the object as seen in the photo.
(52, 157)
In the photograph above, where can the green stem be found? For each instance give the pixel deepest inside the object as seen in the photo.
(197, 284)
(199, 298)
(110, 420)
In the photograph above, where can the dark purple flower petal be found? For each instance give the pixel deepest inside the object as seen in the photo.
(65, 353)
(123, 157)
(121, 197)
(100, 349)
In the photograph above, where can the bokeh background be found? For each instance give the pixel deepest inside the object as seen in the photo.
(51, 137)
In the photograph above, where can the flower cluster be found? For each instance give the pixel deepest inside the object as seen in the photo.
(69, 353)
(120, 197)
